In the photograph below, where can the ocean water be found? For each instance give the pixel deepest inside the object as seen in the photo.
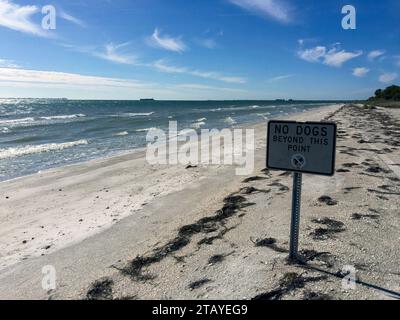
(37, 134)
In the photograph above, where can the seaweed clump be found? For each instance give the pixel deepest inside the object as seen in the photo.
(232, 204)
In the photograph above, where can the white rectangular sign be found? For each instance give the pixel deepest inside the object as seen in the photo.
(307, 147)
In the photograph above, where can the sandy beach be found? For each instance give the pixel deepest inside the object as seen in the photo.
(120, 228)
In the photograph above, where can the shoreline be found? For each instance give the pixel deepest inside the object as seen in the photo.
(143, 148)
(63, 206)
(222, 236)
(236, 247)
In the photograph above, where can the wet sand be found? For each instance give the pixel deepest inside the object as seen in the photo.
(119, 228)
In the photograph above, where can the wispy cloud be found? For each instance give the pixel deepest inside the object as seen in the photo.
(47, 81)
(334, 57)
(388, 77)
(166, 42)
(111, 53)
(360, 72)
(19, 18)
(375, 54)
(208, 43)
(160, 65)
(338, 58)
(283, 77)
(4, 63)
(278, 10)
(62, 78)
(312, 55)
(66, 16)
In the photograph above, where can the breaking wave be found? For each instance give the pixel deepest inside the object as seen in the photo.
(120, 134)
(17, 121)
(233, 108)
(145, 129)
(137, 114)
(31, 149)
(230, 120)
(62, 117)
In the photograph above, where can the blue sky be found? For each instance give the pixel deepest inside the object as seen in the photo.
(201, 49)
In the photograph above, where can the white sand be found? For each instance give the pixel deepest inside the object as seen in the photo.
(148, 204)
(56, 208)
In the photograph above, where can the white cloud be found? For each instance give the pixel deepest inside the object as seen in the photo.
(313, 54)
(16, 17)
(163, 67)
(360, 72)
(166, 42)
(338, 58)
(207, 43)
(160, 65)
(283, 77)
(62, 78)
(34, 83)
(375, 54)
(4, 63)
(277, 10)
(111, 54)
(333, 57)
(388, 77)
(66, 16)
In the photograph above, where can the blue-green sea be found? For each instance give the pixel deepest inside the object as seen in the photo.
(37, 134)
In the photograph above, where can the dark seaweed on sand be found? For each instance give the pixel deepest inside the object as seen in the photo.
(327, 200)
(256, 178)
(291, 281)
(331, 227)
(199, 283)
(100, 290)
(232, 204)
(269, 243)
(312, 295)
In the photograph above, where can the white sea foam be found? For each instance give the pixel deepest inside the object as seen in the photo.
(62, 117)
(5, 130)
(229, 120)
(132, 114)
(233, 108)
(123, 133)
(145, 129)
(31, 149)
(17, 121)
(197, 125)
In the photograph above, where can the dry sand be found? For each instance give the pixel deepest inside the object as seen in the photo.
(120, 228)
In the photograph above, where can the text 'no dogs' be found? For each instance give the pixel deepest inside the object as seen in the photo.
(307, 147)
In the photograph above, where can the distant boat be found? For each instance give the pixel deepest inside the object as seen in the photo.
(144, 100)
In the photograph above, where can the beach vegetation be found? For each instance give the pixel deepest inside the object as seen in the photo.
(391, 93)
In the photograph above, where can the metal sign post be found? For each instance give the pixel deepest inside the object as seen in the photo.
(296, 204)
(300, 147)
